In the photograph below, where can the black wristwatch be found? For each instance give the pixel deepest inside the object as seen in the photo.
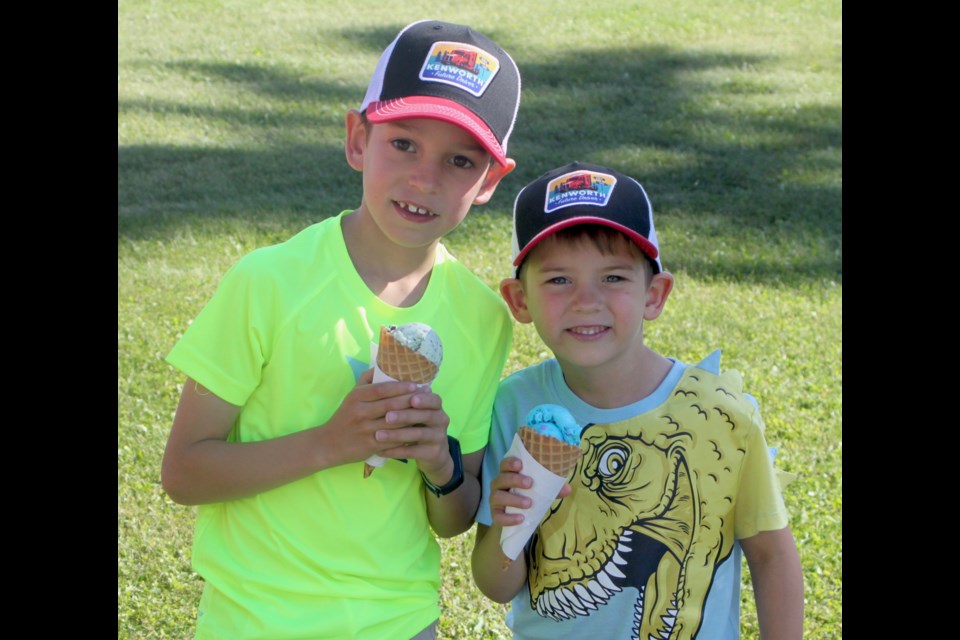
(457, 478)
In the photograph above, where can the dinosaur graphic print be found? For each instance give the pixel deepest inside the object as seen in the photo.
(652, 507)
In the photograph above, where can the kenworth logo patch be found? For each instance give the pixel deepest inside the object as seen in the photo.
(460, 65)
(579, 187)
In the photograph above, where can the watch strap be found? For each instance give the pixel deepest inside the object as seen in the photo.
(457, 479)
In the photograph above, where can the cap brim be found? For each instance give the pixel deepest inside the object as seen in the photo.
(645, 245)
(438, 109)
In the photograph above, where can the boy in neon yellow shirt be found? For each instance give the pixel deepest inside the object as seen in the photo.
(279, 410)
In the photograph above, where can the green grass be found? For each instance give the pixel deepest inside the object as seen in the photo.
(230, 124)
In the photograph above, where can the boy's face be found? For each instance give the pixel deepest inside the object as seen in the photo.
(420, 176)
(588, 306)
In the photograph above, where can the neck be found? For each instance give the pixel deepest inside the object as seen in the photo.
(397, 275)
(618, 385)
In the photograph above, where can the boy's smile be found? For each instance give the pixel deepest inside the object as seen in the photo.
(420, 178)
(415, 210)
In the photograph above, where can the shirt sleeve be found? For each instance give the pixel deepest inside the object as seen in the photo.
(760, 504)
(224, 348)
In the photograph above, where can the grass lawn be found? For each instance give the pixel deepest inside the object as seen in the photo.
(230, 126)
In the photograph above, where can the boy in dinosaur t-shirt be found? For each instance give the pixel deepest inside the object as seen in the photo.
(674, 468)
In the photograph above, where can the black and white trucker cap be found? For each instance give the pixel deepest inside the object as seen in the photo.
(447, 72)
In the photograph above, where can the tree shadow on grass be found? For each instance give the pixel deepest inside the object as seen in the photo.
(751, 193)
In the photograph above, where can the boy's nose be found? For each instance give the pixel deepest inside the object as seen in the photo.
(425, 177)
(586, 297)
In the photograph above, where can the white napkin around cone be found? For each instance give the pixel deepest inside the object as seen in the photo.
(379, 376)
(546, 486)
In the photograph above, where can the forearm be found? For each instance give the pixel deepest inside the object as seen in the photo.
(497, 583)
(215, 470)
(452, 514)
(201, 465)
(777, 583)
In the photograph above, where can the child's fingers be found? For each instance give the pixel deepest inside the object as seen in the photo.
(500, 500)
(506, 499)
(505, 519)
(415, 434)
(423, 418)
(426, 445)
(504, 481)
(412, 451)
(375, 401)
(425, 399)
(423, 421)
(511, 464)
(415, 419)
(371, 392)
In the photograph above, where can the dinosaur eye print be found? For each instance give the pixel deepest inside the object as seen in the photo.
(612, 461)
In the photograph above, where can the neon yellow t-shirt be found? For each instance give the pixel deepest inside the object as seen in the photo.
(332, 555)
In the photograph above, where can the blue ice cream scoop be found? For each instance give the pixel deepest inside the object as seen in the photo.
(554, 421)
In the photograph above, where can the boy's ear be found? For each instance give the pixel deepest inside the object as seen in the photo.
(512, 291)
(495, 174)
(356, 141)
(657, 293)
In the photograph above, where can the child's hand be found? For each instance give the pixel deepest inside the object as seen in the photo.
(419, 432)
(501, 497)
(352, 430)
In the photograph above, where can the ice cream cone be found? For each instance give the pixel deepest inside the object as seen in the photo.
(557, 456)
(548, 445)
(402, 363)
(397, 361)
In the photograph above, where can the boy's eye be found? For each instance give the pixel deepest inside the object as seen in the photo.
(402, 144)
(614, 278)
(558, 280)
(462, 162)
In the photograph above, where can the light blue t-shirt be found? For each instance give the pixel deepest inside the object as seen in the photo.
(664, 487)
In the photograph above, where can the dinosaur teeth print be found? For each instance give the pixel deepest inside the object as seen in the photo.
(574, 601)
(668, 621)
(566, 602)
(638, 613)
(600, 594)
(585, 598)
(612, 570)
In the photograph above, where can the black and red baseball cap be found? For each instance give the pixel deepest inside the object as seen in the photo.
(579, 193)
(448, 72)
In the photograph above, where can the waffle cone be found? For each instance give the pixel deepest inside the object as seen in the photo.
(402, 363)
(559, 457)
